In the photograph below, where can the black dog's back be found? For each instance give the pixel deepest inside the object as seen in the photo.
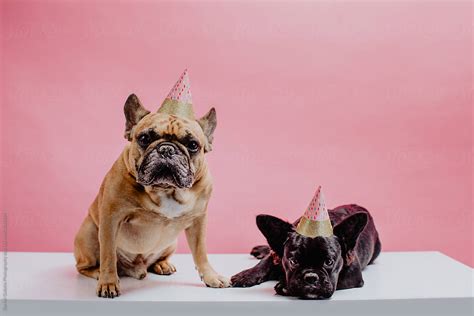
(368, 246)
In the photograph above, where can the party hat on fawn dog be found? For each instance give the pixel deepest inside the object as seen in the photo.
(179, 101)
(315, 220)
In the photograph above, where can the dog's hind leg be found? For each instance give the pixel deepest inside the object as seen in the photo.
(134, 267)
(260, 252)
(350, 277)
(164, 267)
(377, 250)
(86, 249)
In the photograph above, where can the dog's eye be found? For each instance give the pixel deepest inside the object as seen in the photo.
(144, 140)
(328, 262)
(193, 146)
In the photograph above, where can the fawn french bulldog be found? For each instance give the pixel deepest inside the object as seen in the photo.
(159, 186)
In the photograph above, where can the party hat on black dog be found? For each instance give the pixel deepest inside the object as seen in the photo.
(315, 220)
(179, 101)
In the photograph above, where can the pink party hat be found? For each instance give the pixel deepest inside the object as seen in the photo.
(179, 101)
(315, 220)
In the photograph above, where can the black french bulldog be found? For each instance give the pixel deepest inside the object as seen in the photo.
(313, 268)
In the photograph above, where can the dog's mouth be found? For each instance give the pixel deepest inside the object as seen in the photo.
(310, 291)
(165, 171)
(164, 177)
(313, 293)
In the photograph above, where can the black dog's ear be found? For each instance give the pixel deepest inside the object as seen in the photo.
(134, 112)
(349, 230)
(275, 231)
(208, 124)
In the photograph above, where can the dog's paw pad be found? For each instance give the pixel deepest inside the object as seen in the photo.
(216, 281)
(108, 290)
(164, 268)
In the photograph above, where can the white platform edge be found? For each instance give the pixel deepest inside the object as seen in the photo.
(456, 305)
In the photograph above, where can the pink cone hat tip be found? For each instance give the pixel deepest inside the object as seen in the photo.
(181, 91)
(315, 220)
(317, 210)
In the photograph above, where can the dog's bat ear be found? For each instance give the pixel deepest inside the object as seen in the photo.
(275, 231)
(134, 112)
(208, 124)
(349, 230)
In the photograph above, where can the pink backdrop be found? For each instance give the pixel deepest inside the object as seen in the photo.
(370, 99)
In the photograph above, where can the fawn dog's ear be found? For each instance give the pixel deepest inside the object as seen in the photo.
(208, 124)
(134, 112)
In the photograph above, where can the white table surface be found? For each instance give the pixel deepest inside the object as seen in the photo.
(407, 281)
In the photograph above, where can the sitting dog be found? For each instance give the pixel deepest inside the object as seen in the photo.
(159, 186)
(313, 268)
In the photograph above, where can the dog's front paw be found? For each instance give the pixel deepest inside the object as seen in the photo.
(215, 280)
(245, 279)
(108, 289)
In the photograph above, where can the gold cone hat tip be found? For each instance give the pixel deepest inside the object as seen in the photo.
(315, 220)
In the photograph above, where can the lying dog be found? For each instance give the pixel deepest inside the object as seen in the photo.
(313, 268)
(159, 186)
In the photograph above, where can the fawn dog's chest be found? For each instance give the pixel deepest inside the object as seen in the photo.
(156, 226)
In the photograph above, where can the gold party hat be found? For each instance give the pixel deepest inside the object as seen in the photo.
(315, 220)
(179, 101)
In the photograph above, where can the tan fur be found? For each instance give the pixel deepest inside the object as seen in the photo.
(126, 231)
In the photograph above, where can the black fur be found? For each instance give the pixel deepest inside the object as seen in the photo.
(313, 268)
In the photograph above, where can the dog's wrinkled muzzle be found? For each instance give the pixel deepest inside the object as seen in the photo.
(166, 165)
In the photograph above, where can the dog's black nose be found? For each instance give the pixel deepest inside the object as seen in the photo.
(311, 278)
(166, 150)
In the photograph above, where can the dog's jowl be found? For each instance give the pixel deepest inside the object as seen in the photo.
(159, 186)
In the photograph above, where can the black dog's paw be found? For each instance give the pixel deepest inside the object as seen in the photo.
(260, 252)
(245, 279)
(280, 289)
